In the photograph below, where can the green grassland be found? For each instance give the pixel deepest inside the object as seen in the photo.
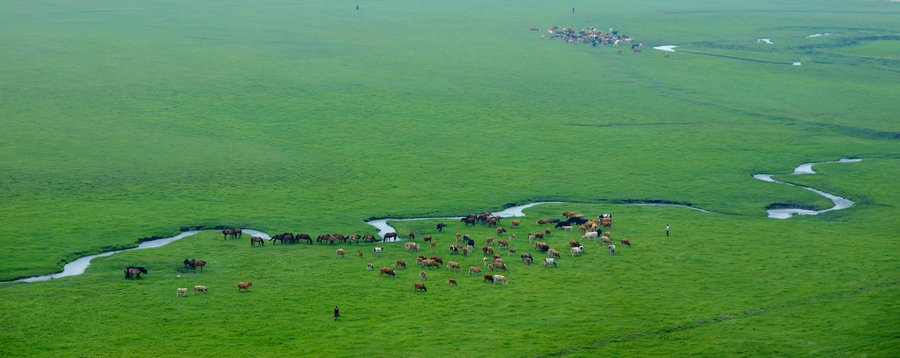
(128, 120)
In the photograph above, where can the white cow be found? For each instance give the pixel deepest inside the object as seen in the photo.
(577, 250)
(612, 248)
(589, 235)
(550, 262)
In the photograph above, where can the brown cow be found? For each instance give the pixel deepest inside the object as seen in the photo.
(474, 270)
(420, 286)
(489, 278)
(625, 242)
(500, 230)
(543, 222)
(200, 288)
(438, 259)
(453, 265)
(244, 286)
(387, 270)
(400, 263)
(412, 236)
(452, 282)
(514, 224)
(429, 263)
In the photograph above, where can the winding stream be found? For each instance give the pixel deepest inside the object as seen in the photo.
(78, 266)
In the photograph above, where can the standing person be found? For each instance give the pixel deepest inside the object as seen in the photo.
(337, 313)
(667, 230)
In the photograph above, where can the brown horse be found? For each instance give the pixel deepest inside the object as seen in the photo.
(198, 263)
(257, 241)
(227, 233)
(134, 272)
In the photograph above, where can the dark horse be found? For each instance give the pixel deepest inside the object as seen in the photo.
(134, 272)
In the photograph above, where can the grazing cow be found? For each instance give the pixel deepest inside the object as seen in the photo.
(391, 235)
(542, 222)
(625, 242)
(553, 253)
(514, 224)
(400, 263)
(181, 292)
(612, 248)
(454, 249)
(567, 227)
(200, 288)
(487, 250)
(539, 235)
(377, 250)
(438, 259)
(257, 241)
(589, 235)
(452, 282)
(500, 230)
(370, 267)
(550, 262)
(422, 275)
(489, 278)
(574, 243)
(503, 244)
(500, 279)
(568, 214)
(412, 236)
(528, 261)
(244, 286)
(420, 286)
(474, 270)
(605, 240)
(427, 238)
(340, 253)
(511, 251)
(440, 226)
(453, 265)
(429, 263)
(412, 246)
(388, 271)
(484, 261)
(433, 244)
(541, 246)
(497, 265)
(577, 251)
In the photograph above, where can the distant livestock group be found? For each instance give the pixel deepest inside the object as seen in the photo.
(465, 245)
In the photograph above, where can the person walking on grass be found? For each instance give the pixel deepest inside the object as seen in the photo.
(667, 230)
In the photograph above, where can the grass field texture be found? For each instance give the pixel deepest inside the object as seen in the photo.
(128, 120)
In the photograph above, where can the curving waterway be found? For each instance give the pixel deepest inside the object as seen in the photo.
(78, 266)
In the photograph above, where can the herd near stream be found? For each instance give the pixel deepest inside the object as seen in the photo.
(484, 262)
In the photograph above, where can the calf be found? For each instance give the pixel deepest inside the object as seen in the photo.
(377, 250)
(370, 267)
(244, 286)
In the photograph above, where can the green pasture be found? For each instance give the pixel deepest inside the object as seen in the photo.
(130, 120)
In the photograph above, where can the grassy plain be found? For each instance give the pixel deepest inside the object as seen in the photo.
(124, 120)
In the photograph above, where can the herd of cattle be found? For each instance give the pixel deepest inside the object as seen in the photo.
(491, 258)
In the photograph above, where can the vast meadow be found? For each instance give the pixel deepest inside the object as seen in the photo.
(131, 120)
